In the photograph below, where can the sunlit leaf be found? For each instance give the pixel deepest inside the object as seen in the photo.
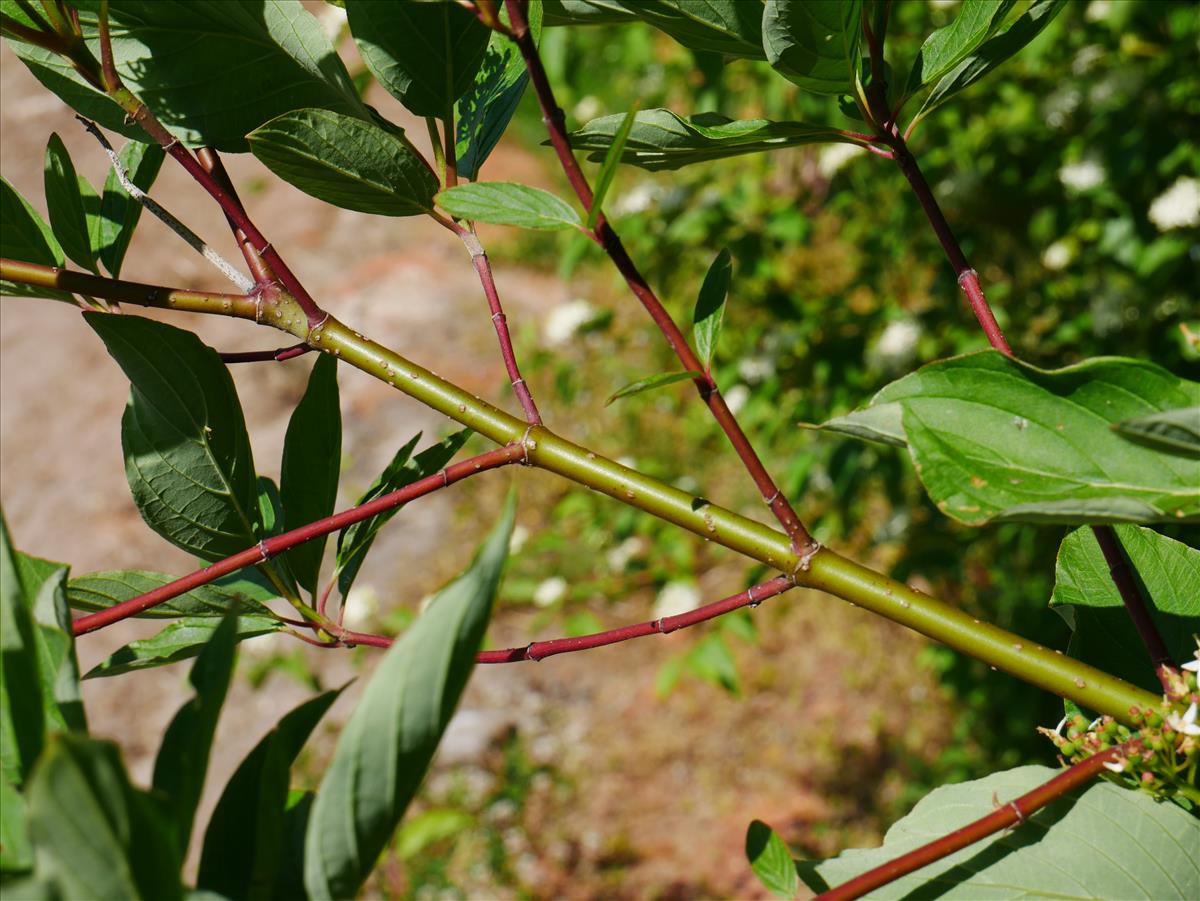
(710, 307)
(506, 203)
(654, 381)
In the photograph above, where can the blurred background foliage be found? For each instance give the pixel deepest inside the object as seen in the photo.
(1069, 177)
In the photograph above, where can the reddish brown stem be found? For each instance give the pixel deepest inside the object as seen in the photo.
(266, 356)
(607, 238)
(1013, 813)
(1131, 596)
(212, 164)
(272, 547)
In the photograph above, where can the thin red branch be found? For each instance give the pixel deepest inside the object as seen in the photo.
(212, 163)
(272, 547)
(607, 238)
(1131, 595)
(266, 356)
(1013, 813)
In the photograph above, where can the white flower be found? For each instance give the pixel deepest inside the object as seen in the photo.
(587, 108)
(1178, 206)
(676, 598)
(619, 557)
(517, 540)
(1082, 176)
(1098, 10)
(637, 199)
(1193, 665)
(1116, 767)
(1058, 255)
(834, 156)
(1186, 723)
(899, 339)
(755, 369)
(564, 321)
(361, 606)
(736, 398)
(550, 591)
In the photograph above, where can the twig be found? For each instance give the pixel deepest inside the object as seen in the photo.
(272, 547)
(1131, 596)
(604, 235)
(266, 356)
(212, 163)
(165, 216)
(1011, 814)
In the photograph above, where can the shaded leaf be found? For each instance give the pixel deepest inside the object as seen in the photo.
(814, 43)
(25, 236)
(1173, 431)
(710, 308)
(385, 748)
(506, 203)
(101, 590)
(65, 204)
(730, 27)
(1168, 573)
(243, 843)
(347, 162)
(948, 46)
(661, 140)
(119, 213)
(425, 54)
(355, 541)
(22, 711)
(187, 454)
(16, 852)
(585, 12)
(312, 461)
(608, 169)
(654, 381)
(1103, 842)
(181, 640)
(771, 860)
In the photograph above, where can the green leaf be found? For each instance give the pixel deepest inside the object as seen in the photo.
(22, 710)
(505, 203)
(101, 590)
(355, 541)
(187, 455)
(243, 843)
(814, 43)
(65, 204)
(710, 308)
(119, 213)
(181, 640)
(713, 662)
(729, 27)
(993, 438)
(16, 852)
(485, 109)
(312, 460)
(387, 744)
(585, 12)
(948, 46)
(430, 828)
(1168, 573)
(25, 236)
(95, 836)
(608, 169)
(771, 860)
(661, 140)
(425, 54)
(182, 760)
(1173, 431)
(289, 880)
(1105, 842)
(654, 381)
(992, 53)
(344, 161)
(197, 63)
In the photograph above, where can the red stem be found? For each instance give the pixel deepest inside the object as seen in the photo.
(271, 547)
(266, 356)
(607, 238)
(1013, 813)
(1131, 595)
(211, 161)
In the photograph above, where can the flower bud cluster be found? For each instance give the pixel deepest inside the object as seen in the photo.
(1160, 754)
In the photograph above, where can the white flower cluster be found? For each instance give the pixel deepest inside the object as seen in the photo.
(1178, 206)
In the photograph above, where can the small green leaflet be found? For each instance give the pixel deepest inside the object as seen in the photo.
(65, 204)
(710, 308)
(25, 236)
(608, 170)
(101, 590)
(181, 640)
(771, 860)
(654, 381)
(506, 203)
(948, 46)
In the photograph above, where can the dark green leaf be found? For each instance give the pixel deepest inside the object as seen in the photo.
(995, 438)
(425, 54)
(16, 853)
(344, 161)
(65, 204)
(654, 381)
(710, 308)
(814, 43)
(355, 541)
(289, 882)
(1168, 574)
(729, 27)
(660, 139)
(25, 236)
(1174, 431)
(187, 455)
(182, 760)
(99, 591)
(243, 843)
(276, 574)
(484, 111)
(771, 860)
(585, 12)
(312, 461)
(948, 46)
(96, 836)
(213, 70)
(505, 203)
(22, 710)
(386, 746)
(119, 213)
(993, 52)
(181, 640)
(608, 169)
(1103, 842)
